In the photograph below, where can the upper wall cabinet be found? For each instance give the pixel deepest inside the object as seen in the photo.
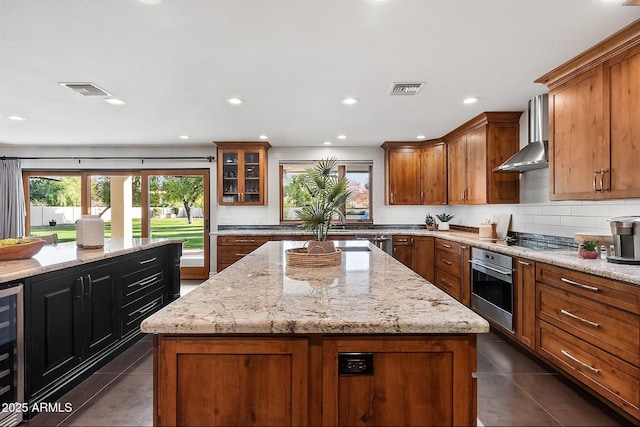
(594, 125)
(416, 173)
(474, 150)
(242, 173)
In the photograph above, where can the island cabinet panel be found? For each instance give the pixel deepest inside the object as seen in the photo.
(415, 381)
(593, 125)
(588, 327)
(231, 381)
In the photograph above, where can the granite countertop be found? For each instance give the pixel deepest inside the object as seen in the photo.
(369, 293)
(561, 258)
(63, 255)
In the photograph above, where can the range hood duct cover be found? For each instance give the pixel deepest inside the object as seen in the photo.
(535, 154)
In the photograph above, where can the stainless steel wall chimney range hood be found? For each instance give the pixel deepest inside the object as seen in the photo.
(535, 154)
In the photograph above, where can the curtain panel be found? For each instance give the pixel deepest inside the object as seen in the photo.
(12, 206)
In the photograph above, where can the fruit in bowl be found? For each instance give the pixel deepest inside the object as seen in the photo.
(20, 248)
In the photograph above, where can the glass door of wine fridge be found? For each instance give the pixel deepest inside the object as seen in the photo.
(11, 356)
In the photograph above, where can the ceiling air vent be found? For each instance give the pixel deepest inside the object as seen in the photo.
(86, 89)
(405, 88)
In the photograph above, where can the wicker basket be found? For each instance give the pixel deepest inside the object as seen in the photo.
(299, 257)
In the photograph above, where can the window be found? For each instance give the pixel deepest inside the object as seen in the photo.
(293, 194)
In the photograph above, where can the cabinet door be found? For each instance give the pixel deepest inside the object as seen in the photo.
(55, 329)
(525, 302)
(476, 181)
(434, 175)
(404, 176)
(423, 256)
(457, 170)
(252, 177)
(575, 137)
(229, 169)
(100, 308)
(619, 175)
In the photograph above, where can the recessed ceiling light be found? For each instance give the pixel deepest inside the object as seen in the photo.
(235, 101)
(184, 137)
(15, 118)
(342, 137)
(263, 136)
(150, 1)
(114, 101)
(471, 100)
(421, 137)
(350, 101)
(327, 143)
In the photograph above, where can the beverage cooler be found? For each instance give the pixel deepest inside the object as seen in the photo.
(11, 356)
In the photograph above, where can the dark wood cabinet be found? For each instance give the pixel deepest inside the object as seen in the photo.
(79, 318)
(416, 173)
(474, 150)
(72, 317)
(594, 131)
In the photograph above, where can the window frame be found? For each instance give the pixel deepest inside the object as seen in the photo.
(342, 170)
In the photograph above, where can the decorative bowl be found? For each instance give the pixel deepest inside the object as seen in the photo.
(25, 248)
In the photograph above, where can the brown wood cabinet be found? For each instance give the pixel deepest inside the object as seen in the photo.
(588, 327)
(524, 290)
(277, 380)
(242, 173)
(594, 131)
(416, 173)
(422, 256)
(402, 249)
(474, 150)
(449, 267)
(233, 248)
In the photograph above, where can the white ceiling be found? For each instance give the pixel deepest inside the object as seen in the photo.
(292, 61)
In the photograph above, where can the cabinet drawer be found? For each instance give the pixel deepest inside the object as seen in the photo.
(143, 260)
(231, 254)
(448, 262)
(610, 376)
(448, 283)
(606, 327)
(135, 313)
(449, 246)
(401, 240)
(141, 283)
(243, 240)
(617, 294)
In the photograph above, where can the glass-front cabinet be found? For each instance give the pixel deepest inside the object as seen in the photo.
(242, 173)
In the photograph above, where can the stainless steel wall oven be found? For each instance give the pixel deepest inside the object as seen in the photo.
(11, 356)
(492, 286)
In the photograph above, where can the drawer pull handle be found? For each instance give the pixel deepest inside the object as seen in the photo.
(242, 254)
(5, 389)
(446, 246)
(147, 261)
(523, 263)
(445, 282)
(245, 241)
(148, 307)
(446, 262)
(571, 282)
(573, 316)
(147, 281)
(591, 368)
(402, 240)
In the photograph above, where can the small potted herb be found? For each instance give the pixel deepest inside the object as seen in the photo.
(444, 220)
(589, 249)
(52, 222)
(430, 222)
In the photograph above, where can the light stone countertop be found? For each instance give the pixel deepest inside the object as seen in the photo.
(370, 293)
(64, 255)
(561, 258)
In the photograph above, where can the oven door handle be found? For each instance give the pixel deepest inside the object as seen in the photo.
(505, 272)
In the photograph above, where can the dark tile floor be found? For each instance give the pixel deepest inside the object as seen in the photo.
(513, 390)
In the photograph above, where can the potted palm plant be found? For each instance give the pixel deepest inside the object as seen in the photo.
(328, 193)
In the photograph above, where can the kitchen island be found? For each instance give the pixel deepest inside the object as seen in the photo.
(365, 343)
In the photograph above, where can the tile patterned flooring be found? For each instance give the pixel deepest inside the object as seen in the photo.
(513, 390)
